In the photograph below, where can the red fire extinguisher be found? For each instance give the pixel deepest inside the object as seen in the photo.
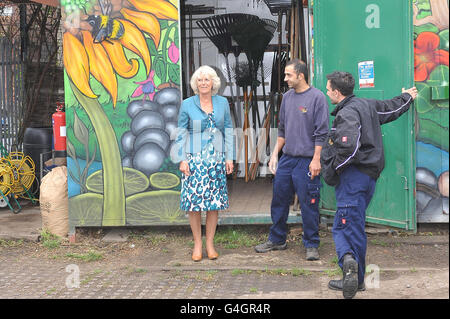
(59, 127)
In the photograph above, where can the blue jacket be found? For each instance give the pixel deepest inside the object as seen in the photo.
(192, 123)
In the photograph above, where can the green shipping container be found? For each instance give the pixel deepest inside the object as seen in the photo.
(373, 40)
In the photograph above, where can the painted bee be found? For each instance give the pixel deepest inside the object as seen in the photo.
(103, 26)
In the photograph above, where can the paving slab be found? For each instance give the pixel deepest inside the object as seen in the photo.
(24, 225)
(116, 235)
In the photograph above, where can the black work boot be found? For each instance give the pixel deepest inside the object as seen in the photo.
(350, 280)
(337, 285)
(312, 253)
(268, 246)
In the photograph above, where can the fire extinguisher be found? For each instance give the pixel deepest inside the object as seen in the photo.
(59, 127)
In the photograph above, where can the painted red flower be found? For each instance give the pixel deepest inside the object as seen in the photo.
(426, 55)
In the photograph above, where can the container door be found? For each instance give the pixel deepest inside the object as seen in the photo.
(373, 40)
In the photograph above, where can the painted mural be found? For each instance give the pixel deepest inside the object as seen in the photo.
(122, 95)
(431, 75)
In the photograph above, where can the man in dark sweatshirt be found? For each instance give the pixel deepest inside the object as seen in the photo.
(302, 130)
(352, 159)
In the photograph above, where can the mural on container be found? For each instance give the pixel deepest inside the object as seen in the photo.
(122, 94)
(431, 67)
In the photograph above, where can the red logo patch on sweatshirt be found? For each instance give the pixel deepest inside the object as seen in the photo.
(344, 139)
(303, 109)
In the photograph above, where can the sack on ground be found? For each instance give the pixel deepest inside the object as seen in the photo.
(54, 202)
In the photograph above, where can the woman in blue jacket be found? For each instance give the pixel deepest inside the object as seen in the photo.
(205, 147)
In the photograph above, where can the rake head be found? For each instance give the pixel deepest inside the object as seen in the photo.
(218, 29)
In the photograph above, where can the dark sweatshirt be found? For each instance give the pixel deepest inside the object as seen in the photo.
(356, 137)
(303, 121)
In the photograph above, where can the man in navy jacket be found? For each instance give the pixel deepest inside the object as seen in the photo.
(352, 159)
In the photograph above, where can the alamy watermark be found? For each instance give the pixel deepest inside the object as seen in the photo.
(372, 280)
(255, 145)
(73, 280)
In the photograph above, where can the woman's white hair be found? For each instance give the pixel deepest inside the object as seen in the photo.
(206, 70)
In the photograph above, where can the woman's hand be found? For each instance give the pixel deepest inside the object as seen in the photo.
(184, 168)
(229, 167)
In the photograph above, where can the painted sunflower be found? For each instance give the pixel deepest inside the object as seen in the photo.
(96, 47)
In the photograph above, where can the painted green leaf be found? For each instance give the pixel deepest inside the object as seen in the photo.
(444, 40)
(69, 97)
(86, 209)
(100, 91)
(71, 150)
(437, 115)
(80, 130)
(177, 41)
(164, 24)
(155, 208)
(160, 69)
(174, 73)
(433, 133)
(426, 27)
(152, 47)
(439, 74)
(134, 180)
(423, 101)
(424, 5)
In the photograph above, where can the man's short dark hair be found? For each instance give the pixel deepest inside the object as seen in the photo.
(299, 67)
(342, 81)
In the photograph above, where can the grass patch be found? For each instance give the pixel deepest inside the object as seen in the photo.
(11, 243)
(50, 291)
(200, 275)
(278, 271)
(134, 270)
(334, 261)
(300, 272)
(149, 238)
(140, 270)
(236, 272)
(295, 272)
(333, 272)
(209, 275)
(379, 243)
(237, 238)
(50, 240)
(156, 240)
(90, 256)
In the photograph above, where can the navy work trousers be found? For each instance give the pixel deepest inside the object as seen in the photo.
(353, 194)
(292, 177)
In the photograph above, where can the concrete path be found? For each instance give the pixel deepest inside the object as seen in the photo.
(403, 268)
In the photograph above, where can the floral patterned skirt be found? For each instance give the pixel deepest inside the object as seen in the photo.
(206, 188)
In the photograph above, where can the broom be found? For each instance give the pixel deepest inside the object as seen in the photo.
(217, 29)
(262, 140)
(244, 80)
(253, 35)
